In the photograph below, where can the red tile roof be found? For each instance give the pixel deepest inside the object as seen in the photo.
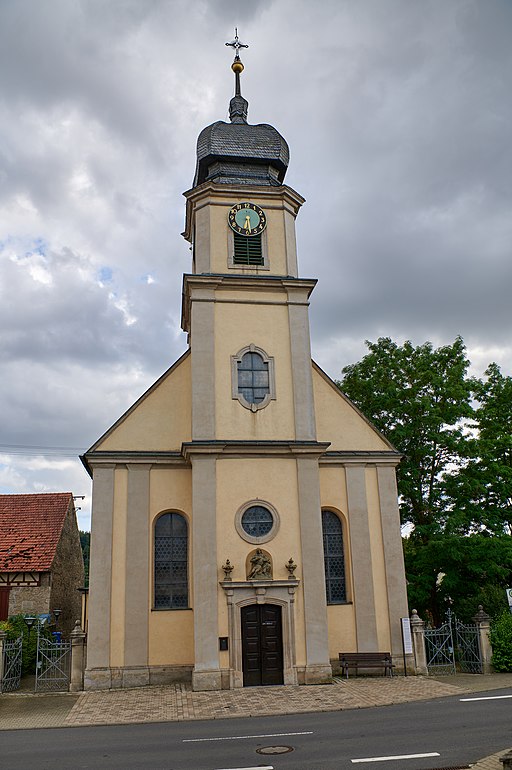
(30, 529)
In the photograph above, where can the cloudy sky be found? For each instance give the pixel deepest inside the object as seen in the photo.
(398, 115)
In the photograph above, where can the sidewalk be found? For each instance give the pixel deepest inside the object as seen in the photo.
(173, 703)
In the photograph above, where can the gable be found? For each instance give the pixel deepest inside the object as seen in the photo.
(339, 421)
(161, 419)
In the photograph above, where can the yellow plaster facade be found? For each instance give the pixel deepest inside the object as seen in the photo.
(184, 584)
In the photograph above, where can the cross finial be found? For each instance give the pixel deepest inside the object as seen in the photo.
(236, 45)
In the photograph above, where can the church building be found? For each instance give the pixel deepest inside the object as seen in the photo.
(245, 525)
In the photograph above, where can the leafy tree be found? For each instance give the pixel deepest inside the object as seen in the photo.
(463, 570)
(455, 478)
(419, 397)
(501, 642)
(482, 489)
(85, 542)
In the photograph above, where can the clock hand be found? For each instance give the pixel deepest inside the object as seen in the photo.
(247, 225)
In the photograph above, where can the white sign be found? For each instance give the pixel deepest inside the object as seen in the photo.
(509, 596)
(406, 635)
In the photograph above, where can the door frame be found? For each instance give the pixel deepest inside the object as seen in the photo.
(240, 594)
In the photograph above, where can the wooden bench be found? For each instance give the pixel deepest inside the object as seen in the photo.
(366, 660)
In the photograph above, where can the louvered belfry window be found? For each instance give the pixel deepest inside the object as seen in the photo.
(334, 558)
(253, 378)
(247, 251)
(171, 562)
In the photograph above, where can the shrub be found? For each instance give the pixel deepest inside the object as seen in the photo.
(16, 627)
(501, 642)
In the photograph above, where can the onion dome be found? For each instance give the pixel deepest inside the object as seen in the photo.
(237, 153)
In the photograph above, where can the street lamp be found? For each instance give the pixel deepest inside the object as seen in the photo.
(29, 621)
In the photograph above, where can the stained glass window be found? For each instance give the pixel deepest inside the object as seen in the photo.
(334, 558)
(171, 562)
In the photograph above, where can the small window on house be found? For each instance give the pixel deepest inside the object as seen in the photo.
(171, 562)
(247, 251)
(334, 558)
(253, 378)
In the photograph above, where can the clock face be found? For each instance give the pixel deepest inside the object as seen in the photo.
(247, 219)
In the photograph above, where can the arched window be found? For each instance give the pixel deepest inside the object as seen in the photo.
(334, 558)
(171, 557)
(253, 377)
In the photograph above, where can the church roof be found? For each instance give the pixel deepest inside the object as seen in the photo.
(30, 530)
(240, 153)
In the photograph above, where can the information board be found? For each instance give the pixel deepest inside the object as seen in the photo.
(406, 635)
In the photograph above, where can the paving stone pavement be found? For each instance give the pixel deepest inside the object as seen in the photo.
(173, 703)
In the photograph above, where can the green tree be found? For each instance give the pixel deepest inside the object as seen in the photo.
(454, 480)
(463, 570)
(482, 488)
(501, 641)
(419, 398)
(85, 542)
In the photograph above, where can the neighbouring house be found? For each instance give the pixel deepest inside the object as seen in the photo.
(41, 564)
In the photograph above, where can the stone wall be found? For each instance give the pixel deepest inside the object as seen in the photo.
(31, 599)
(68, 574)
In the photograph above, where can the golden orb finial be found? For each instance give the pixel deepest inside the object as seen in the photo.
(237, 67)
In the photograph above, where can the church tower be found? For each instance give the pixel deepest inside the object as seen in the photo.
(245, 525)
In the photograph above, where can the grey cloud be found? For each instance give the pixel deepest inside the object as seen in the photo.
(398, 118)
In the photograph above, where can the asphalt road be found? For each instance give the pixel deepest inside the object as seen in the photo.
(448, 732)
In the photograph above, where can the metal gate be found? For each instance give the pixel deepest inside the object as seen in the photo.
(53, 665)
(11, 665)
(467, 646)
(453, 646)
(439, 649)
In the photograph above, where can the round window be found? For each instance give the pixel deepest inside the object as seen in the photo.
(257, 523)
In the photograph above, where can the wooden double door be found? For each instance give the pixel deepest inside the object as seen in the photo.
(262, 645)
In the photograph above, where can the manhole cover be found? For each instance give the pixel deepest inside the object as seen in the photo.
(274, 750)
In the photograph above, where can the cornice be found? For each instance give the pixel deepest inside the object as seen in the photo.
(375, 457)
(283, 193)
(238, 585)
(189, 449)
(254, 281)
(254, 448)
(116, 459)
(204, 285)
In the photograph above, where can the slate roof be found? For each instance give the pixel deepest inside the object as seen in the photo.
(244, 144)
(30, 529)
(253, 154)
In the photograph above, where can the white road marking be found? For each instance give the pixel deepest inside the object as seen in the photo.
(399, 756)
(244, 737)
(488, 697)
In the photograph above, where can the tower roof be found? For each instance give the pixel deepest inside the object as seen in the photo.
(236, 152)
